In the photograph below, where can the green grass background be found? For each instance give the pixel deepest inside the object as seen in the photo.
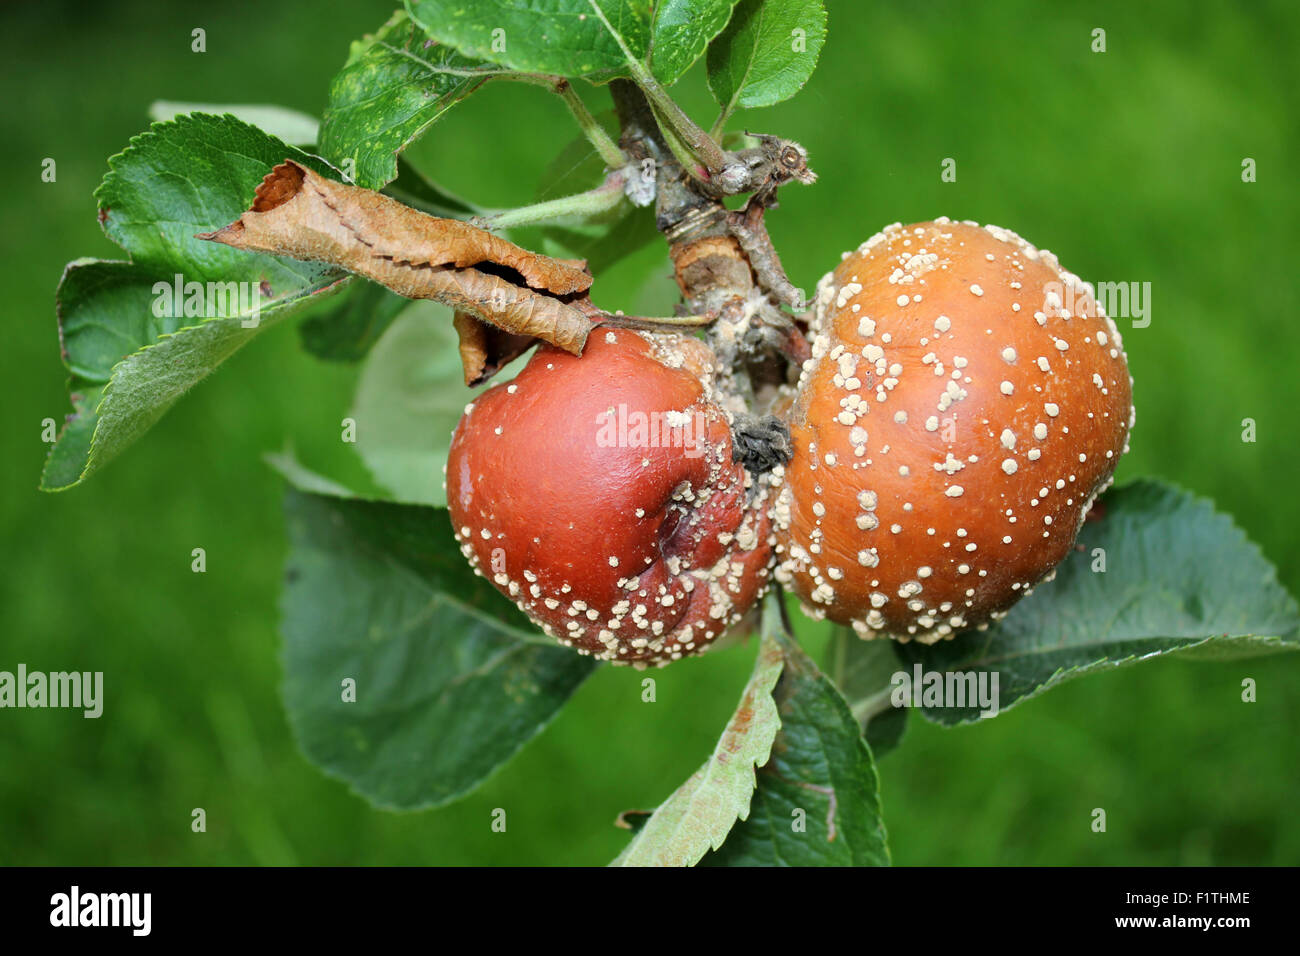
(1127, 164)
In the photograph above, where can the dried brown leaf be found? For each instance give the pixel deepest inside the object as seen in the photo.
(485, 349)
(298, 213)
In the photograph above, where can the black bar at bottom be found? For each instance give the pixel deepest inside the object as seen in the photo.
(926, 905)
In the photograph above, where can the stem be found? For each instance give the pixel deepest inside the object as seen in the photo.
(681, 152)
(749, 229)
(601, 199)
(864, 708)
(720, 124)
(795, 346)
(836, 663)
(609, 152)
(869, 707)
(653, 324)
(700, 144)
(600, 140)
(636, 120)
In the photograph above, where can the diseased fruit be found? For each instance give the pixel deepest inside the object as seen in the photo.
(965, 403)
(599, 493)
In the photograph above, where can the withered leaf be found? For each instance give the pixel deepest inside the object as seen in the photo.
(485, 349)
(303, 215)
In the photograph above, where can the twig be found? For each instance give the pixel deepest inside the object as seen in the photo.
(749, 229)
(658, 324)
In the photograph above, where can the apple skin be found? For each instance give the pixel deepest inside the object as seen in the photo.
(598, 492)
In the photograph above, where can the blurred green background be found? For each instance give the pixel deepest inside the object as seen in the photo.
(1126, 163)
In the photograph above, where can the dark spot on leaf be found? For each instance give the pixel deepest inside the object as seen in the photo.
(743, 718)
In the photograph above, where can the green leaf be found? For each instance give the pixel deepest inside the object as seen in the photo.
(286, 125)
(347, 331)
(448, 684)
(409, 399)
(413, 188)
(577, 166)
(699, 814)
(601, 244)
(1180, 578)
(192, 175)
(680, 33)
(393, 87)
(862, 670)
(67, 459)
(885, 730)
(133, 346)
(817, 802)
(561, 37)
(767, 52)
(299, 476)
